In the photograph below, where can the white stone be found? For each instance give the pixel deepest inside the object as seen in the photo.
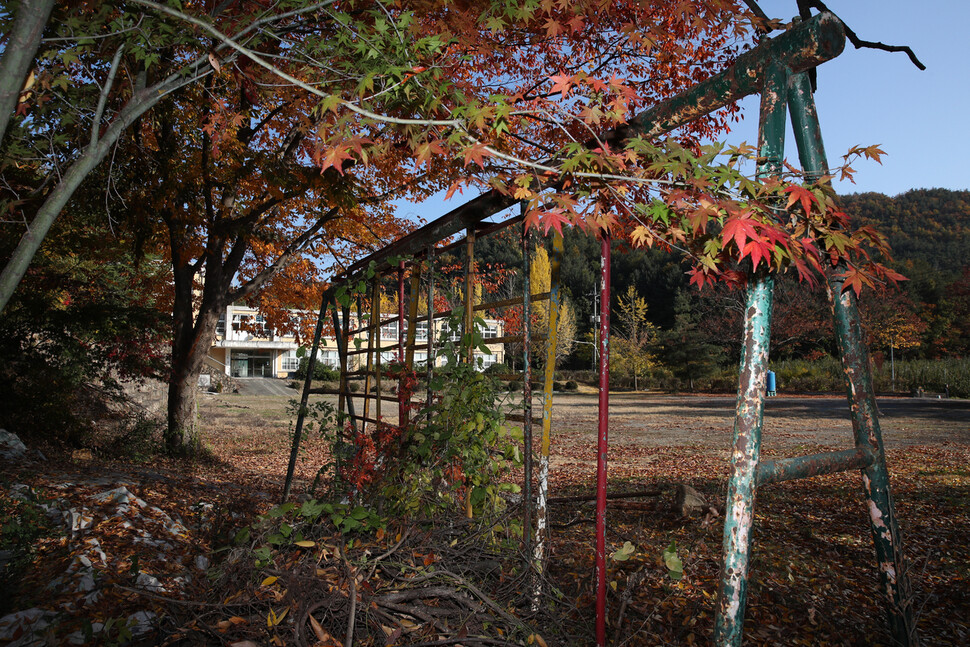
(149, 583)
(11, 447)
(141, 622)
(86, 583)
(27, 625)
(117, 495)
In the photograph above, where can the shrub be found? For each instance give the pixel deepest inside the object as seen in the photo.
(572, 385)
(320, 371)
(557, 386)
(514, 386)
(498, 369)
(22, 524)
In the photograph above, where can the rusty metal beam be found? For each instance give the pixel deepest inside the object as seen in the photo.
(471, 280)
(429, 364)
(305, 397)
(806, 45)
(800, 467)
(401, 403)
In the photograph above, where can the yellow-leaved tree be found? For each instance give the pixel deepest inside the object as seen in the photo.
(631, 344)
(540, 280)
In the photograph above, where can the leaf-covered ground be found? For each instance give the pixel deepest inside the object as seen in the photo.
(145, 557)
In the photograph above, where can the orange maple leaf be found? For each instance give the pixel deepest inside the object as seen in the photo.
(562, 83)
(802, 195)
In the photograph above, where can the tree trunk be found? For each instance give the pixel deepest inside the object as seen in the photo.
(181, 410)
(188, 357)
(18, 55)
(192, 337)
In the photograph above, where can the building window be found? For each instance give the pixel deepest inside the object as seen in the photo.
(449, 335)
(329, 358)
(389, 331)
(221, 325)
(421, 332)
(290, 361)
(255, 326)
(490, 331)
(484, 361)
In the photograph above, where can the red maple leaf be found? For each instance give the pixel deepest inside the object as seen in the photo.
(476, 153)
(554, 219)
(800, 194)
(739, 230)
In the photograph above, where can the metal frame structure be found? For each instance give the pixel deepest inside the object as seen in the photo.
(777, 69)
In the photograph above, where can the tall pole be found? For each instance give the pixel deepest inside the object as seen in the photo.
(552, 339)
(527, 454)
(305, 397)
(401, 413)
(746, 449)
(602, 443)
(883, 524)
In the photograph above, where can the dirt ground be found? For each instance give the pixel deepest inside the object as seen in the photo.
(247, 431)
(792, 424)
(813, 578)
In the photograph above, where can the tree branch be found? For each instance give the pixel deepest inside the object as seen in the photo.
(854, 38)
(103, 97)
(18, 55)
(259, 60)
(288, 256)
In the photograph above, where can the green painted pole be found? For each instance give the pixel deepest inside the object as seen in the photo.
(746, 448)
(893, 577)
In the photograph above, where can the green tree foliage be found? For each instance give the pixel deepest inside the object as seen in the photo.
(922, 225)
(687, 351)
(87, 315)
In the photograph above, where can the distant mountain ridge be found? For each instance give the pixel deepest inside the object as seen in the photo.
(930, 226)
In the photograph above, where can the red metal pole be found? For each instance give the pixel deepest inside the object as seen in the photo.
(602, 444)
(401, 413)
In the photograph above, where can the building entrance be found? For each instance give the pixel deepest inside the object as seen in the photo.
(252, 364)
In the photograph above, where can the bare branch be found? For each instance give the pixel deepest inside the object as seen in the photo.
(259, 60)
(103, 98)
(289, 255)
(858, 42)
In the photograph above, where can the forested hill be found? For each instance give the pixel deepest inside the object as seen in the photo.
(931, 226)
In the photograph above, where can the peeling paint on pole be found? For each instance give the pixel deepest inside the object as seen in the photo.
(787, 469)
(602, 445)
(745, 453)
(527, 501)
(746, 449)
(862, 402)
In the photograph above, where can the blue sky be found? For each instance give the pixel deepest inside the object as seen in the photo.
(869, 97)
(866, 97)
